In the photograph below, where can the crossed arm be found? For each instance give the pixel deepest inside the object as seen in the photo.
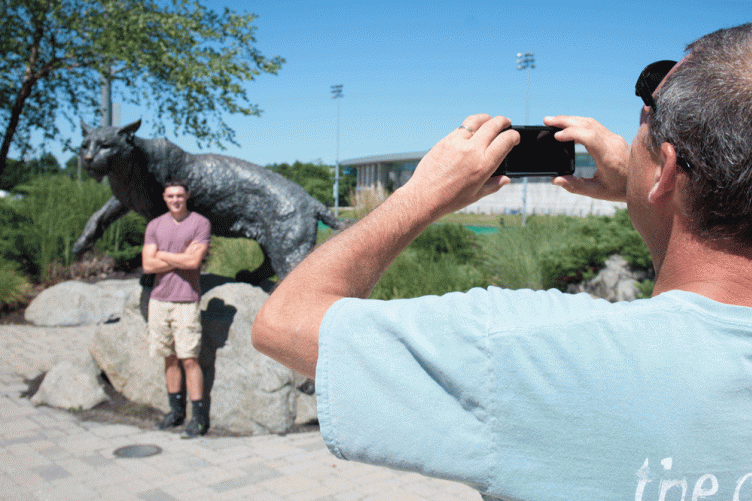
(454, 174)
(157, 261)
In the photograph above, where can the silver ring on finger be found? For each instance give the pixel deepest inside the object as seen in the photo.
(466, 128)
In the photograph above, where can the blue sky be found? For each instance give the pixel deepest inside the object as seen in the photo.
(411, 71)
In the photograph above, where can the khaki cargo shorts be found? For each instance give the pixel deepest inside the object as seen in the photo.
(174, 329)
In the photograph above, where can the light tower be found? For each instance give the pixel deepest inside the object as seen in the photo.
(525, 61)
(336, 94)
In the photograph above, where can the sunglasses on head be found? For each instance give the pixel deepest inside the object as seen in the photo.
(649, 79)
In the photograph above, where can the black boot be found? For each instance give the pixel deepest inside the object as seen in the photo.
(176, 416)
(199, 423)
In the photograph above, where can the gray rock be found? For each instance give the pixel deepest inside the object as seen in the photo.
(248, 392)
(305, 409)
(72, 384)
(74, 303)
(615, 282)
(121, 351)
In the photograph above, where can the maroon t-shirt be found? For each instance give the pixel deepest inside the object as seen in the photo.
(178, 286)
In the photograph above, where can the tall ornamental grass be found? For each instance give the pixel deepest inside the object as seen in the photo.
(515, 257)
(54, 208)
(41, 227)
(14, 286)
(556, 252)
(444, 258)
(413, 275)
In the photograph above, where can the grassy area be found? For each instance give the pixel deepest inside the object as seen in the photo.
(517, 257)
(550, 251)
(228, 256)
(493, 220)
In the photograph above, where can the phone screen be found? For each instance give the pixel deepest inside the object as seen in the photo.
(538, 154)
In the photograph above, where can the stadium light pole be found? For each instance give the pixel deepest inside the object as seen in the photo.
(525, 61)
(336, 94)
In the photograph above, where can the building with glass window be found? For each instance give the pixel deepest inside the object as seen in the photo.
(383, 174)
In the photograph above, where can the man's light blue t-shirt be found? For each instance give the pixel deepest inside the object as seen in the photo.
(539, 395)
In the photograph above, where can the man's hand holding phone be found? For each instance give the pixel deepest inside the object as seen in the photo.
(458, 169)
(609, 151)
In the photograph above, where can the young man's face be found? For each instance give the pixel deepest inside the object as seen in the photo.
(176, 197)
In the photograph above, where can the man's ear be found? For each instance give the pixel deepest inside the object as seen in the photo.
(666, 175)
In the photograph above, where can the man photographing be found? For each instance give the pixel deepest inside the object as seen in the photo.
(175, 244)
(540, 395)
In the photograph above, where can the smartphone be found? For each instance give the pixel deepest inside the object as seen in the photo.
(538, 154)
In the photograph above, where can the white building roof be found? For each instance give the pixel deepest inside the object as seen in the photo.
(384, 159)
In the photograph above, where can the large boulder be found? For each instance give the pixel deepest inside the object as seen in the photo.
(71, 384)
(75, 303)
(247, 391)
(615, 282)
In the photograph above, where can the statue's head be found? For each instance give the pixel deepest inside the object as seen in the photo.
(104, 148)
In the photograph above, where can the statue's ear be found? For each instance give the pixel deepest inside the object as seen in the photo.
(130, 129)
(86, 129)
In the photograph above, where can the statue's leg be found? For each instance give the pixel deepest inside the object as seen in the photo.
(97, 223)
(299, 239)
(259, 275)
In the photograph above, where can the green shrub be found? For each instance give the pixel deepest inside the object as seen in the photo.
(452, 239)
(444, 258)
(556, 252)
(14, 287)
(124, 240)
(414, 274)
(645, 287)
(629, 243)
(12, 233)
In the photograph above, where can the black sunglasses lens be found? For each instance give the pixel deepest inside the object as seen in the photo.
(650, 78)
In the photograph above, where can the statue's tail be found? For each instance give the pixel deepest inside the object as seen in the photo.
(326, 217)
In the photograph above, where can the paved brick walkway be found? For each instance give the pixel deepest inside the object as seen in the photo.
(48, 454)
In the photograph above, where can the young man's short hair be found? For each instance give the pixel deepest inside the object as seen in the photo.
(176, 182)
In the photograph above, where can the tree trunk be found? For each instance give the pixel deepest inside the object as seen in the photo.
(15, 117)
(31, 76)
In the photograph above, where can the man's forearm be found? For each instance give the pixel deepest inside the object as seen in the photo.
(156, 265)
(178, 261)
(455, 173)
(190, 259)
(349, 265)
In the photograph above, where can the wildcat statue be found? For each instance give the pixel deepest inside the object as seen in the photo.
(239, 198)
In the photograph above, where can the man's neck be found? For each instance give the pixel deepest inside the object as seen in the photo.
(179, 216)
(722, 273)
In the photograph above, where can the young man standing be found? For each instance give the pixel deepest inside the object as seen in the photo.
(175, 244)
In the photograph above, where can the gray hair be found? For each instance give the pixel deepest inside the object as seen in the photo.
(705, 112)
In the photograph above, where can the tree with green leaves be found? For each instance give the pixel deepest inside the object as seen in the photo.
(19, 172)
(317, 180)
(185, 62)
